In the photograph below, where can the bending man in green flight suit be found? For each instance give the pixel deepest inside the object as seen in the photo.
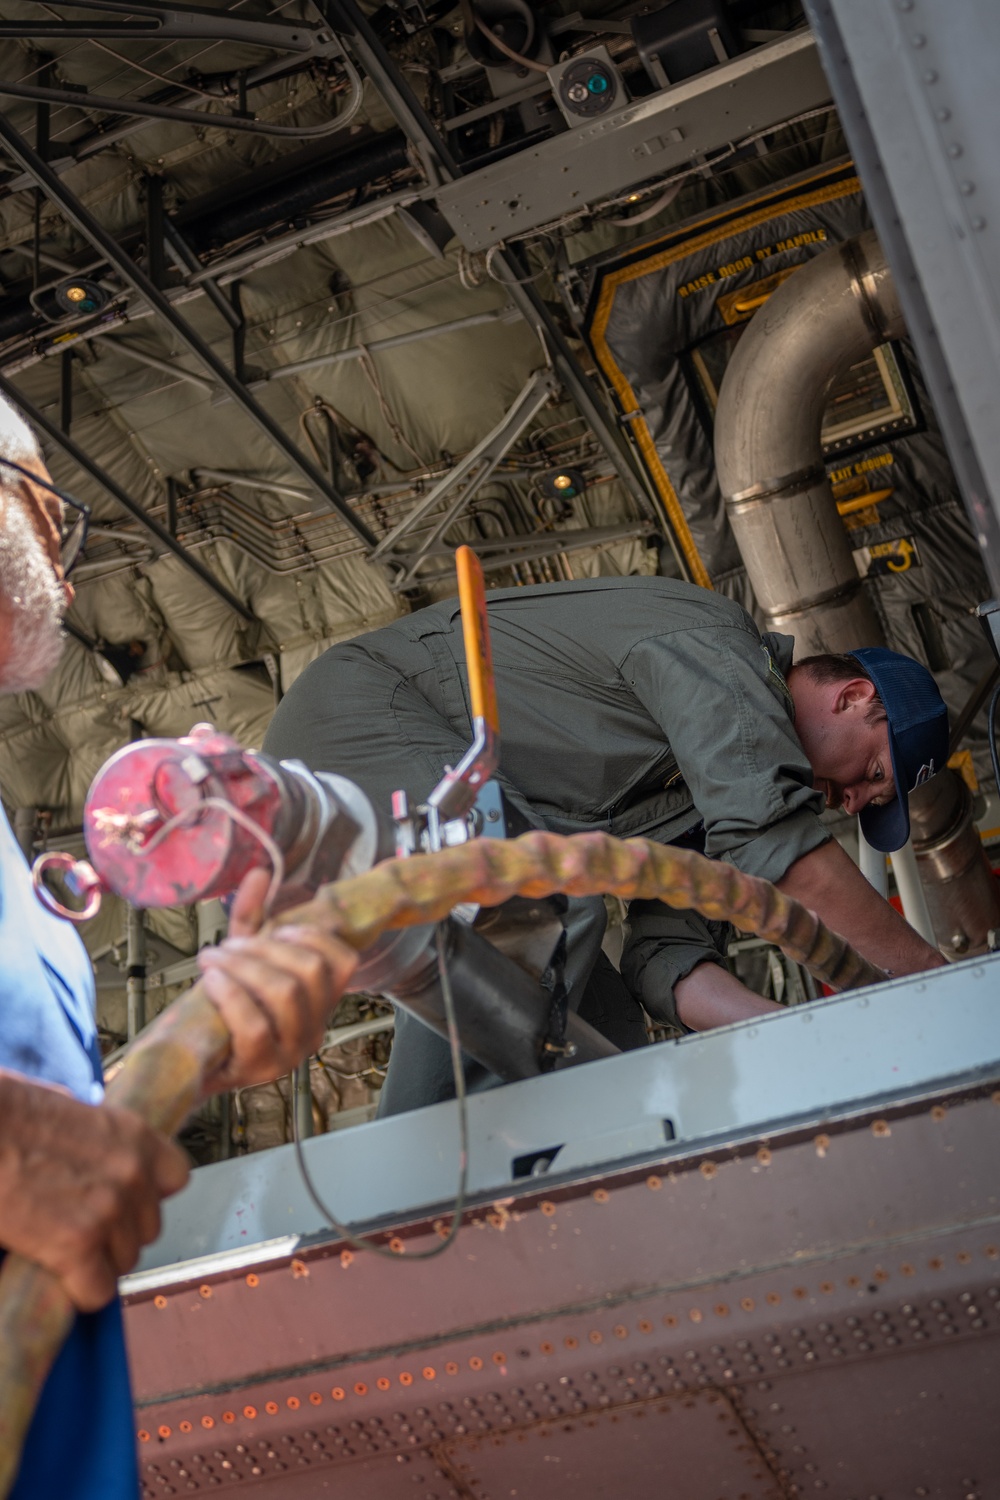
(643, 706)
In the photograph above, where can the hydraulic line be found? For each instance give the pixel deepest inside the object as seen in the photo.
(164, 1073)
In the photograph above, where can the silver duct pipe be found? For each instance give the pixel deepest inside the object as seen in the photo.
(963, 897)
(828, 316)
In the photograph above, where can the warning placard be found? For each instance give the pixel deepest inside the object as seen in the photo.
(896, 556)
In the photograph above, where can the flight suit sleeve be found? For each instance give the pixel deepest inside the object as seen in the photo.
(662, 947)
(727, 715)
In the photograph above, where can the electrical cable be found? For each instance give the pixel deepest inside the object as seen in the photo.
(654, 208)
(139, 67)
(145, 108)
(518, 280)
(474, 22)
(455, 1047)
(991, 725)
(215, 804)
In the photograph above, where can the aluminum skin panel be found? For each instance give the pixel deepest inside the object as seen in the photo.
(811, 1309)
(903, 1037)
(644, 140)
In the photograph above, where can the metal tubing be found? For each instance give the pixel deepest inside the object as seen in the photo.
(150, 360)
(963, 895)
(441, 166)
(830, 314)
(911, 892)
(203, 118)
(184, 257)
(82, 218)
(178, 22)
(873, 866)
(467, 476)
(379, 346)
(302, 1100)
(62, 440)
(277, 248)
(768, 450)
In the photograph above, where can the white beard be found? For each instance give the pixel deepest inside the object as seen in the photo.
(31, 604)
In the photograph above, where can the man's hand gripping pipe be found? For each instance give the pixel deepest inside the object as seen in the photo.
(165, 1071)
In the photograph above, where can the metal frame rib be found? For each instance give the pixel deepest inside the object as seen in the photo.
(467, 477)
(169, 543)
(81, 217)
(441, 167)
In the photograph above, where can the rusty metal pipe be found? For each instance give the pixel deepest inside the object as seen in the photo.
(164, 1073)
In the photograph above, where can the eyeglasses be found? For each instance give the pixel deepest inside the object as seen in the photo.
(73, 536)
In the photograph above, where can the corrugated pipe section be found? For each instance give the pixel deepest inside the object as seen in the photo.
(828, 316)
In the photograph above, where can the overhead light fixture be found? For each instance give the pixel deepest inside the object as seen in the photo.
(79, 295)
(562, 484)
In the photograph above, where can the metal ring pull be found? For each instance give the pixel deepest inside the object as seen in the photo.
(81, 878)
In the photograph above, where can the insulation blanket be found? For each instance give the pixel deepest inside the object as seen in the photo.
(663, 318)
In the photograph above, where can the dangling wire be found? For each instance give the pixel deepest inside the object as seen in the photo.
(455, 1045)
(235, 815)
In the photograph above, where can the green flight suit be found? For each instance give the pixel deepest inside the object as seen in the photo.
(639, 706)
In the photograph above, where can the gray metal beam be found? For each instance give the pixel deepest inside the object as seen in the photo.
(441, 167)
(76, 213)
(916, 91)
(176, 22)
(648, 138)
(62, 440)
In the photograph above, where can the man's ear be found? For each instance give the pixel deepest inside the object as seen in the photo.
(857, 693)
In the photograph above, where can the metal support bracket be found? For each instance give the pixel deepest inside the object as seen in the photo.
(441, 167)
(169, 543)
(468, 476)
(80, 216)
(148, 20)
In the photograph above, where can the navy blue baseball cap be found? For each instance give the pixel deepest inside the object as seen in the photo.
(918, 739)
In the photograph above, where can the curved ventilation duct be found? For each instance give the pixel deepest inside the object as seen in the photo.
(827, 317)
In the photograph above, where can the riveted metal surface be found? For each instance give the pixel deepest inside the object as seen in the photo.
(706, 1216)
(786, 1274)
(696, 1439)
(918, 1427)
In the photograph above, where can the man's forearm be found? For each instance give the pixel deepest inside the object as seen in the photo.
(711, 996)
(829, 882)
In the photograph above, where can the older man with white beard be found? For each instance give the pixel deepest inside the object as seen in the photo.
(81, 1182)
